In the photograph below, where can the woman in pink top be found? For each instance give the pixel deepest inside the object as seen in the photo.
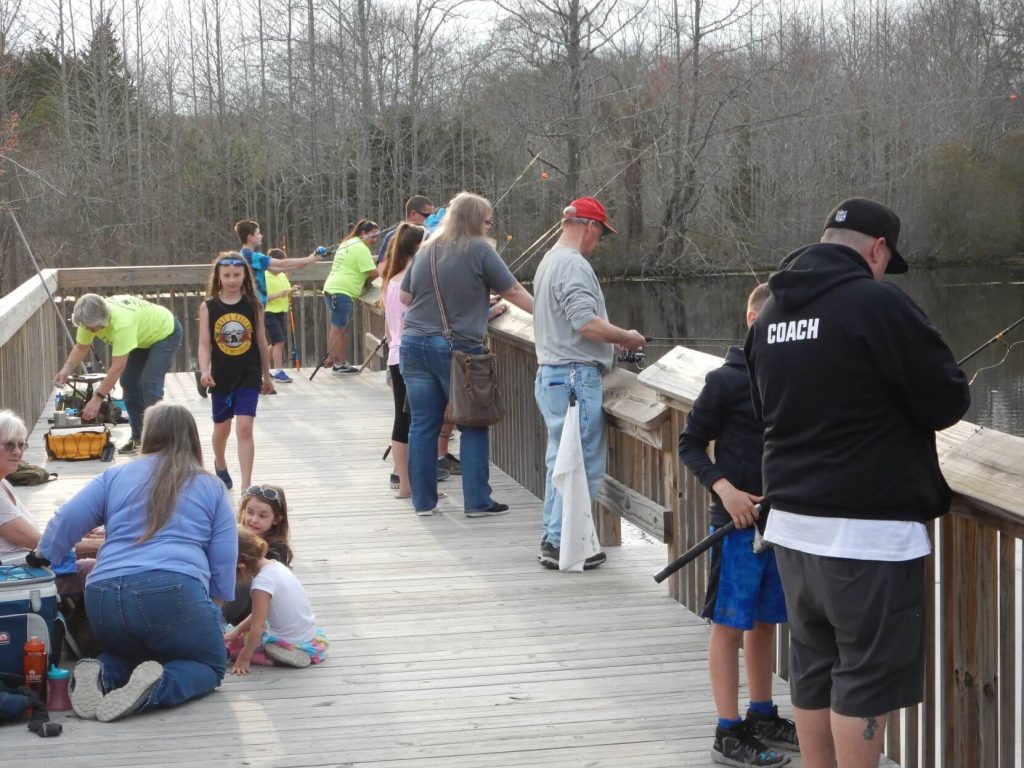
(401, 249)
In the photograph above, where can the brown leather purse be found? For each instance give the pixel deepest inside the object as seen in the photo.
(473, 396)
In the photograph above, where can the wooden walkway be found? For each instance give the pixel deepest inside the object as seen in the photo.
(451, 646)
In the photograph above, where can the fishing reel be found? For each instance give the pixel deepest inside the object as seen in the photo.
(639, 359)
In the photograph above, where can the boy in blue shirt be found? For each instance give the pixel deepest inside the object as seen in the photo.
(251, 239)
(744, 599)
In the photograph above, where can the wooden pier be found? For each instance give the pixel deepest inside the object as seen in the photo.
(451, 645)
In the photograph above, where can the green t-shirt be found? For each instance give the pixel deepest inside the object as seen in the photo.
(134, 324)
(276, 283)
(352, 262)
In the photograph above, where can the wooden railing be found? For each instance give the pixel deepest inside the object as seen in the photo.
(972, 714)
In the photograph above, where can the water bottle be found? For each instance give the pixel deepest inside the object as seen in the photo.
(34, 665)
(57, 695)
(57, 399)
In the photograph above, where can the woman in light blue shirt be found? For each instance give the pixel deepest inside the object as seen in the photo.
(171, 549)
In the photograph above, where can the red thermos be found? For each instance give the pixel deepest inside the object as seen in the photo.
(34, 665)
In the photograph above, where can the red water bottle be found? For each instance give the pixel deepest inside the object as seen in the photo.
(34, 665)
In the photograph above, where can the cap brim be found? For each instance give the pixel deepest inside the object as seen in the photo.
(609, 228)
(897, 264)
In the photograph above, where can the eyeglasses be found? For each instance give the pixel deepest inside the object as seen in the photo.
(604, 232)
(230, 262)
(267, 493)
(12, 446)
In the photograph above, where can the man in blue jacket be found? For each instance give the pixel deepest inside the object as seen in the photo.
(744, 598)
(852, 381)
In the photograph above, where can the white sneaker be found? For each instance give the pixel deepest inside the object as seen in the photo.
(86, 690)
(124, 701)
(291, 657)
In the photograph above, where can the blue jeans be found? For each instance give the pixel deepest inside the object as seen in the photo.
(425, 365)
(551, 390)
(142, 380)
(160, 616)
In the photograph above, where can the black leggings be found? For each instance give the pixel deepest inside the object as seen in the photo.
(400, 431)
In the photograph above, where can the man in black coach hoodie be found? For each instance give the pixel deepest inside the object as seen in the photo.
(851, 381)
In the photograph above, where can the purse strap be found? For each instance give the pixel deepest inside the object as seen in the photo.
(446, 330)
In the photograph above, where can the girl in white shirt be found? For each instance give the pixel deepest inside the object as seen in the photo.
(282, 627)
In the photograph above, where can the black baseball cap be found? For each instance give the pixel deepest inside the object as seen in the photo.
(872, 219)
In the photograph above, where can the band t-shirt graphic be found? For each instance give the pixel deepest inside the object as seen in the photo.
(235, 355)
(233, 334)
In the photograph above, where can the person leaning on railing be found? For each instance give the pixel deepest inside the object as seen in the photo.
(468, 271)
(143, 337)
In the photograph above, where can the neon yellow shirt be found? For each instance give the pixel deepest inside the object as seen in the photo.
(352, 262)
(134, 324)
(276, 283)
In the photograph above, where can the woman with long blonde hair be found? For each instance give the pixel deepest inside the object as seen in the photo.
(170, 550)
(468, 270)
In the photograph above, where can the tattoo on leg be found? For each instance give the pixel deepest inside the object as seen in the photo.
(870, 726)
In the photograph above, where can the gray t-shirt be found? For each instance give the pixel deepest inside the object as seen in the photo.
(467, 273)
(567, 296)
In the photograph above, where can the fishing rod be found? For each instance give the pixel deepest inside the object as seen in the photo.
(998, 337)
(527, 255)
(706, 543)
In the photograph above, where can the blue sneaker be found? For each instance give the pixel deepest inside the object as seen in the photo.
(282, 377)
(224, 476)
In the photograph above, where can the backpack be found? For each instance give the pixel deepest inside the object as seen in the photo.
(30, 474)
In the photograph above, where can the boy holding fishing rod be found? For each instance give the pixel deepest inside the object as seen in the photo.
(744, 598)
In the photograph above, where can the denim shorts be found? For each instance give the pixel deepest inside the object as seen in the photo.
(241, 402)
(743, 588)
(274, 322)
(340, 306)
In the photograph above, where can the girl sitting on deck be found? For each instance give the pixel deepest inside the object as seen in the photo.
(282, 627)
(234, 360)
(264, 511)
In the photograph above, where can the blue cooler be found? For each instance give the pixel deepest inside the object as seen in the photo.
(28, 607)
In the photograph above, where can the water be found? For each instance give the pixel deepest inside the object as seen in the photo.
(968, 305)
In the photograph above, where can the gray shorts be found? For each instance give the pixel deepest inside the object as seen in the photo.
(856, 632)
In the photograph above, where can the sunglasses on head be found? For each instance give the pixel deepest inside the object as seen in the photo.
(232, 261)
(267, 493)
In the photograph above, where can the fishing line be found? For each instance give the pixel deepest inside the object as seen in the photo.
(39, 272)
(516, 181)
(539, 243)
(1006, 354)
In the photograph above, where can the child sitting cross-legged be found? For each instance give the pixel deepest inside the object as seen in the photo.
(282, 627)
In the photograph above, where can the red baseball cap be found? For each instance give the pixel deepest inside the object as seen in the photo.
(589, 208)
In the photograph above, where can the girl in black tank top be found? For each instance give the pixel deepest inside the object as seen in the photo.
(233, 358)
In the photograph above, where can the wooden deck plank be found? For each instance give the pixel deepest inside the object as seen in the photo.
(450, 645)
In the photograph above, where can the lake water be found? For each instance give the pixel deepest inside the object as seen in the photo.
(968, 305)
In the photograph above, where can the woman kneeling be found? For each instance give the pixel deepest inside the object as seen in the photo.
(171, 545)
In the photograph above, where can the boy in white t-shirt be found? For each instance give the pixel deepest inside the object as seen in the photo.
(282, 627)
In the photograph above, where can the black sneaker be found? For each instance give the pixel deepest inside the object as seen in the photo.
(130, 447)
(773, 730)
(496, 508)
(450, 463)
(738, 746)
(549, 555)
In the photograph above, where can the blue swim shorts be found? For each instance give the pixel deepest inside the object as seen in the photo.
(340, 306)
(743, 588)
(241, 402)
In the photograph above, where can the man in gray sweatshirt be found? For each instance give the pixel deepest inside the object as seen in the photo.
(575, 348)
